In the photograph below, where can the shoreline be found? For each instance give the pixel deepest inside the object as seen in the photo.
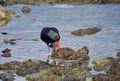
(52, 2)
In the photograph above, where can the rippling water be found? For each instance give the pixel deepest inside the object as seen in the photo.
(66, 18)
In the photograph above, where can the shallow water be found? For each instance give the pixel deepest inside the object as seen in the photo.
(66, 18)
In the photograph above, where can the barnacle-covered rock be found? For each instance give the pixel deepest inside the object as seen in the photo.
(100, 77)
(23, 72)
(5, 16)
(26, 10)
(64, 53)
(81, 54)
(69, 54)
(7, 55)
(28, 63)
(44, 75)
(7, 76)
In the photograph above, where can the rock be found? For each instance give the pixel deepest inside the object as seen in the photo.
(69, 54)
(10, 40)
(7, 76)
(3, 67)
(69, 78)
(79, 32)
(100, 77)
(118, 54)
(44, 75)
(41, 66)
(88, 31)
(34, 39)
(29, 63)
(4, 33)
(98, 67)
(52, 2)
(88, 78)
(13, 65)
(113, 71)
(64, 53)
(26, 10)
(26, 67)
(24, 72)
(5, 16)
(103, 63)
(17, 16)
(55, 73)
(82, 54)
(100, 61)
(6, 55)
(6, 50)
(93, 30)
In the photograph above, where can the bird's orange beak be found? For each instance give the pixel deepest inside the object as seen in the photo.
(58, 45)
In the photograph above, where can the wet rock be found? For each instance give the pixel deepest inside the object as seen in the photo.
(4, 33)
(44, 75)
(6, 76)
(88, 78)
(70, 64)
(100, 77)
(93, 30)
(64, 53)
(17, 16)
(34, 68)
(88, 31)
(13, 65)
(29, 63)
(52, 2)
(26, 10)
(118, 54)
(102, 63)
(6, 50)
(24, 68)
(69, 54)
(79, 32)
(34, 39)
(113, 71)
(6, 55)
(41, 66)
(24, 72)
(3, 67)
(5, 16)
(82, 54)
(59, 73)
(11, 40)
(69, 78)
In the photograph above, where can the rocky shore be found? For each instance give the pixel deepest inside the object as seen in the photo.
(72, 66)
(66, 65)
(52, 2)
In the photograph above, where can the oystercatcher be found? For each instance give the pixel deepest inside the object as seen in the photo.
(51, 36)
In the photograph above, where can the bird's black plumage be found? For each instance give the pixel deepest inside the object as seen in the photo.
(49, 35)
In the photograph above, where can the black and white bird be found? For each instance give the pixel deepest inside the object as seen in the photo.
(51, 36)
